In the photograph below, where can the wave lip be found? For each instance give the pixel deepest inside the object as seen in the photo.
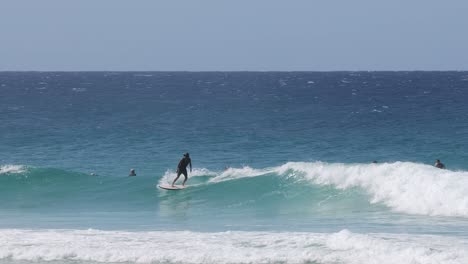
(228, 247)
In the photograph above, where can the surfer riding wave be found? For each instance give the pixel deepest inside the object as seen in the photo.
(182, 168)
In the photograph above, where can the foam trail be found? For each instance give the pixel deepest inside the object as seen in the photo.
(229, 247)
(237, 173)
(169, 176)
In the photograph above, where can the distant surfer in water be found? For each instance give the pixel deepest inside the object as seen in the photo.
(132, 172)
(439, 164)
(182, 168)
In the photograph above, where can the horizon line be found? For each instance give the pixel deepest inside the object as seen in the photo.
(233, 71)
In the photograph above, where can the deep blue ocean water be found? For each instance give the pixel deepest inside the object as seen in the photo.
(283, 168)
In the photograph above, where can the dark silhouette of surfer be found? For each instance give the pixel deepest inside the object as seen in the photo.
(182, 168)
(439, 164)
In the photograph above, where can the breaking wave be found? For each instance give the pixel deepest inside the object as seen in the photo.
(403, 187)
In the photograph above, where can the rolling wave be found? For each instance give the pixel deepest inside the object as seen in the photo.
(403, 187)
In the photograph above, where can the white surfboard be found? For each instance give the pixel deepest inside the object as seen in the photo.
(170, 187)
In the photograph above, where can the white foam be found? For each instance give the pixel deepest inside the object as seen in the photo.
(169, 176)
(143, 75)
(79, 89)
(237, 173)
(403, 186)
(229, 247)
(12, 169)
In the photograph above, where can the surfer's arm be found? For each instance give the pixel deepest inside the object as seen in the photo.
(190, 165)
(178, 166)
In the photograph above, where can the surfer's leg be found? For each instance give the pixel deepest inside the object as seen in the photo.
(185, 176)
(178, 175)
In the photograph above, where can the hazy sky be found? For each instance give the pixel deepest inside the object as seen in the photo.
(204, 35)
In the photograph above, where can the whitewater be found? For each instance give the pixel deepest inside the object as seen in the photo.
(283, 167)
(402, 186)
(227, 247)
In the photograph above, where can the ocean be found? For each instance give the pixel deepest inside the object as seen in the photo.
(288, 167)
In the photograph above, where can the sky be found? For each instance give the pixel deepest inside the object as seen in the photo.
(236, 35)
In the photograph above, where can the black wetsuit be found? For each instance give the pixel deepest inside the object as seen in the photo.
(440, 165)
(182, 167)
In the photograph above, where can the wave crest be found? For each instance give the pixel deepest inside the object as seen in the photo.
(4, 169)
(403, 186)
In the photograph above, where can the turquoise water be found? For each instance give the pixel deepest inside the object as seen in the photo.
(283, 168)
